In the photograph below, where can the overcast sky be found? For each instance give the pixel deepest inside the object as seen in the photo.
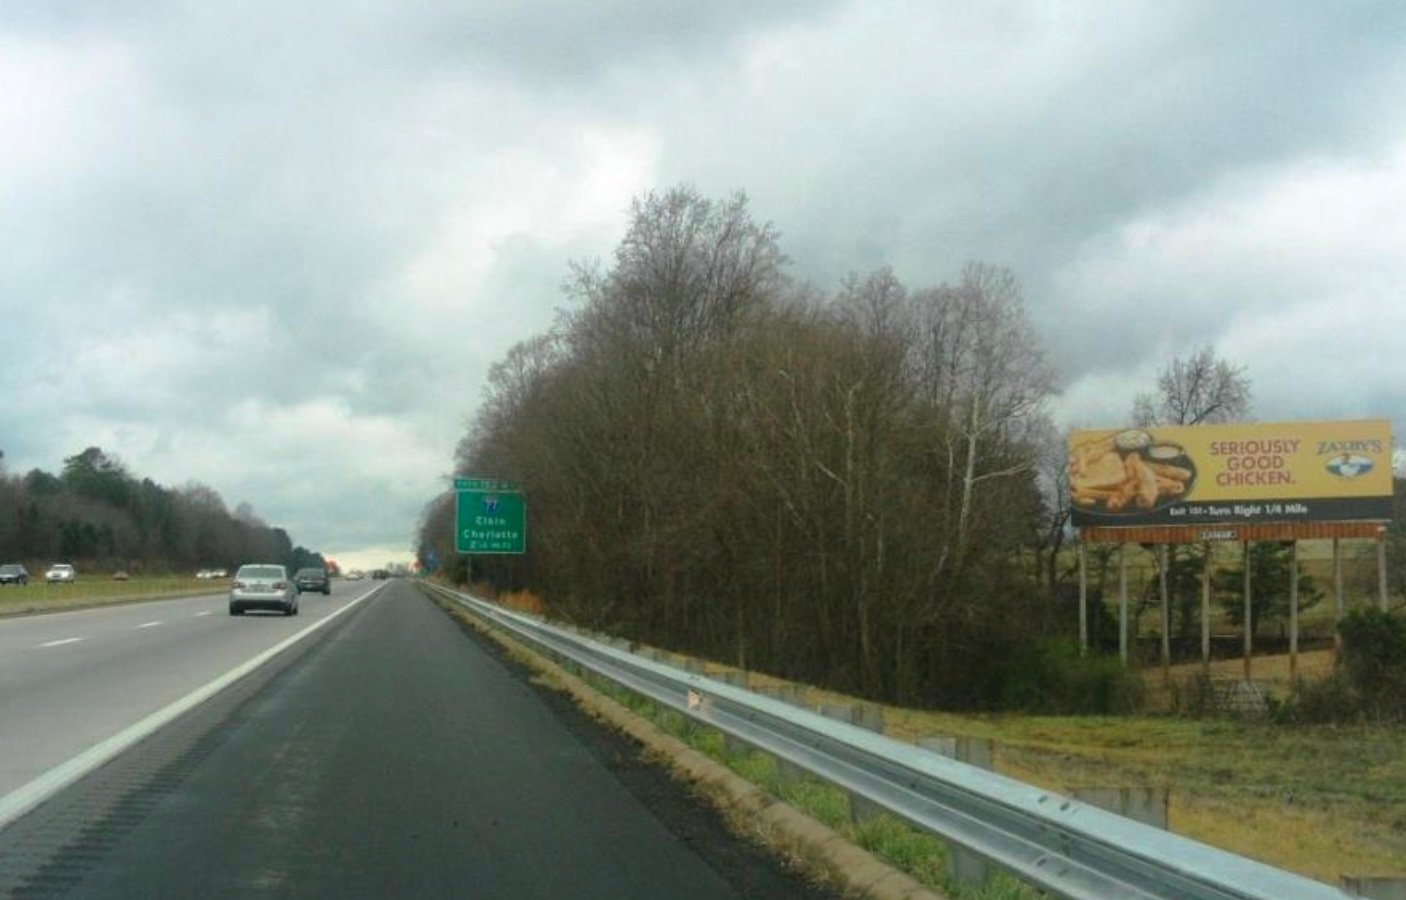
(275, 248)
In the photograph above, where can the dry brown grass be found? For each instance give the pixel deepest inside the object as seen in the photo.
(1270, 672)
(523, 601)
(1321, 801)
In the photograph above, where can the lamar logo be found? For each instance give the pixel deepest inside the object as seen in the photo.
(1348, 465)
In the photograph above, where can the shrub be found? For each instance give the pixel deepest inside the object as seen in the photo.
(1373, 661)
(1194, 696)
(1370, 681)
(1330, 699)
(1052, 677)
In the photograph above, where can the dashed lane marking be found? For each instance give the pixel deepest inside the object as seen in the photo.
(23, 799)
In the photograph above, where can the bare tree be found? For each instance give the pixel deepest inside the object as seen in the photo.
(1196, 389)
(722, 465)
(987, 376)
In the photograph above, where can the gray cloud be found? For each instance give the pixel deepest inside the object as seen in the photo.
(220, 214)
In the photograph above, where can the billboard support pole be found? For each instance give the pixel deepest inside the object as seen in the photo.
(1293, 612)
(1083, 603)
(1337, 597)
(1123, 602)
(1166, 614)
(1249, 627)
(1381, 568)
(1206, 610)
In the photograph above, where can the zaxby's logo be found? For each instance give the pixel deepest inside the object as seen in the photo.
(1348, 465)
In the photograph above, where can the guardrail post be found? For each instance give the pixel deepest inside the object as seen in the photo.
(736, 679)
(973, 751)
(1146, 805)
(870, 717)
(786, 773)
(786, 693)
(1375, 887)
(860, 808)
(963, 866)
(739, 680)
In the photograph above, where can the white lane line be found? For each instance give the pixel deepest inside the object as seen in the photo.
(23, 799)
(60, 643)
(149, 624)
(205, 613)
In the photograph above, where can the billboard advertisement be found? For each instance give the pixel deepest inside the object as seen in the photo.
(1247, 472)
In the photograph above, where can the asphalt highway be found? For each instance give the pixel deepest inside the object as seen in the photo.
(69, 680)
(386, 754)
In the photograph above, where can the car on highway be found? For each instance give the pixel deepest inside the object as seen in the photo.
(313, 579)
(263, 586)
(61, 573)
(14, 573)
(380, 574)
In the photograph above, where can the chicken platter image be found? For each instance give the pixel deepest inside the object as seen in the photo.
(1128, 473)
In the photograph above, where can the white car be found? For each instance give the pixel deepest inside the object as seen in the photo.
(263, 586)
(61, 573)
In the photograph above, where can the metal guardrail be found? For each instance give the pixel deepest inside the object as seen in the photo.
(1060, 845)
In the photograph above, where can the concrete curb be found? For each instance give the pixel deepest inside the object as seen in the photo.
(759, 814)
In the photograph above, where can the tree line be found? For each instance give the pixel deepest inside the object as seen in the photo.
(858, 488)
(840, 488)
(97, 514)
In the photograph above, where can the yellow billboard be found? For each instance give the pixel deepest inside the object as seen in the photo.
(1247, 472)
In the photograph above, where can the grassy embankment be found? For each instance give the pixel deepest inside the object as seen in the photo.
(98, 590)
(1318, 800)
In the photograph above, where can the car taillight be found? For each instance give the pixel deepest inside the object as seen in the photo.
(239, 584)
(280, 585)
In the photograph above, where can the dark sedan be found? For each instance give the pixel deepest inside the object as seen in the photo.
(309, 580)
(14, 573)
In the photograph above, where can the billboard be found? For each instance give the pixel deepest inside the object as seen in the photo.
(1248, 472)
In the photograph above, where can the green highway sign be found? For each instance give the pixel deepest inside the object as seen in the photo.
(490, 516)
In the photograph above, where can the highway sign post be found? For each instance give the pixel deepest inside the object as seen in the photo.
(490, 517)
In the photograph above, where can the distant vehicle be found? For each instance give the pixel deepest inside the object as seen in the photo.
(263, 586)
(380, 574)
(14, 573)
(355, 575)
(312, 579)
(120, 575)
(60, 573)
(205, 574)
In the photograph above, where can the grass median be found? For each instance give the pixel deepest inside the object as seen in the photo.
(39, 597)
